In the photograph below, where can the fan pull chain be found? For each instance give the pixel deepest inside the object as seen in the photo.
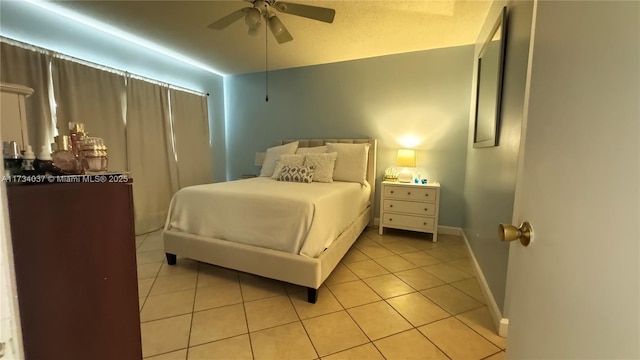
(266, 60)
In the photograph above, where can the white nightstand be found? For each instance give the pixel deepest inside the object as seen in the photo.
(410, 206)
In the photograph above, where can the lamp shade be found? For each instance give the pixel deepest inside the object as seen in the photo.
(406, 158)
(253, 17)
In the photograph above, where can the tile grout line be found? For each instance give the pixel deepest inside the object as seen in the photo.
(382, 299)
(455, 316)
(246, 318)
(193, 308)
(304, 327)
(450, 314)
(474, 330)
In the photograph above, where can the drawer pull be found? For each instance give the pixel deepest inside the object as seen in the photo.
(408, 192)
(424, 223)
(425, 209)
(392, 206)
(427, 195)
(390, 219)
(392, 191)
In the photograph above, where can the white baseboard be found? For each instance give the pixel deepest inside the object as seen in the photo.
(501, 324)
(503, 327)
(448, 230)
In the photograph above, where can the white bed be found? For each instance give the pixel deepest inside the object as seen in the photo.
(250, 225)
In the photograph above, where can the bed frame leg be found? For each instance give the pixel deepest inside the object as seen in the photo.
(312, 295)
(171, 259)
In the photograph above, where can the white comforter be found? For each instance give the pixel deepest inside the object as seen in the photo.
(293, 217)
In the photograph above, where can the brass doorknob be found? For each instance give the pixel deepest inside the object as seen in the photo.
(509, 232)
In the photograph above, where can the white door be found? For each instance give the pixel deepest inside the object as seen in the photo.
(10, 337)
(573, 293)
(10, 331)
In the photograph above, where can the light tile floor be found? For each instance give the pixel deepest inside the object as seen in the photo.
(396, 296)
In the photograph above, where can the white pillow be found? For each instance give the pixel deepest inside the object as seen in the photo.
(323, 165)
(351, 164)
(312, 150)
(291, 160)
(272, 154)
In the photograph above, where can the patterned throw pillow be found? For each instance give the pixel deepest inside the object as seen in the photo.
(303, 174)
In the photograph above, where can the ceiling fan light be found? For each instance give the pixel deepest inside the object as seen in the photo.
(253, 18)
(276, 25)
(254, 31)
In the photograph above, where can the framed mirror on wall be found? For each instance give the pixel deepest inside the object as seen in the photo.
(490, 65)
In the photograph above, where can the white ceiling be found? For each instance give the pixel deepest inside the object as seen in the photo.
(361, 29)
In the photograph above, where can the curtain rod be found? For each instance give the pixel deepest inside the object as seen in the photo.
(59, 55)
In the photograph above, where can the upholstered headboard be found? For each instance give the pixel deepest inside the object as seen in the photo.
(371, 163)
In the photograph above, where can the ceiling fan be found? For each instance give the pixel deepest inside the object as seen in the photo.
(262, 10)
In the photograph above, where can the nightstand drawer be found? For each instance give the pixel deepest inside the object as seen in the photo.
(408, 221)
(414, 193)
(416, 208)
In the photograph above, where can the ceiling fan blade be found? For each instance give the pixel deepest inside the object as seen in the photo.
(308, 11)
(278, 30)
(229, 19)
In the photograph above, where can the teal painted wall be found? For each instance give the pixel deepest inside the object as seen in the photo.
(491, 172)
(28, 23)
(423, 94)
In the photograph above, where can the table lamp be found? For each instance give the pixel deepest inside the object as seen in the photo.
(406, 158)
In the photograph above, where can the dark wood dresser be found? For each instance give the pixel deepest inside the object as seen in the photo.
(75, 264)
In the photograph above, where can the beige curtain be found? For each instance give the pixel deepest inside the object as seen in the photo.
(95, 98)
(150, 153)
(191, 134)
(30, 68)
(160, 136)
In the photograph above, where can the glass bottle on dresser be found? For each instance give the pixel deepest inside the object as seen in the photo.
(76, 136)
(64, 158)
